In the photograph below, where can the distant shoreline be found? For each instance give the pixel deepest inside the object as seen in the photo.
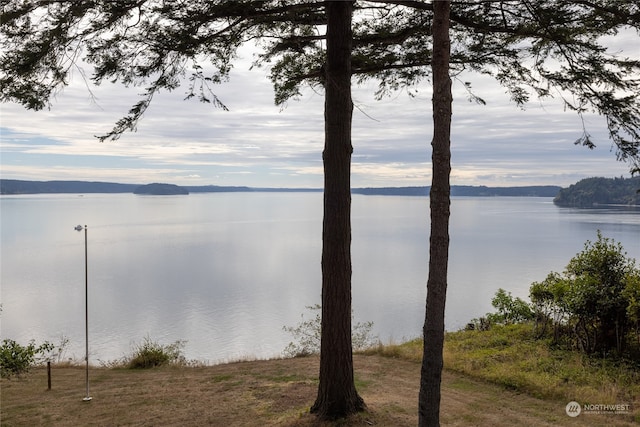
(17, 187)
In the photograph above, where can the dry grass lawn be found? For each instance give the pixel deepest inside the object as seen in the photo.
(258, 393)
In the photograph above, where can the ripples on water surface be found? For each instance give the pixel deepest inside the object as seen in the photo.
(226, 271)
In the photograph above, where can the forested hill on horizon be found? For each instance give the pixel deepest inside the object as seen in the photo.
(590, 192)
(15, 187)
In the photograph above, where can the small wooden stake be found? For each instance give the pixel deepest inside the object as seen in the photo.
(49, 375)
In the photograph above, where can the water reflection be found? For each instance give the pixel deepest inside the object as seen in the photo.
(225, 272)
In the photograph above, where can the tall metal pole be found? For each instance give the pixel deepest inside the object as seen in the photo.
(87, 398)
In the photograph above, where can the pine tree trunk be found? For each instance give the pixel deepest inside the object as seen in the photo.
(337, 395)
(433, 333)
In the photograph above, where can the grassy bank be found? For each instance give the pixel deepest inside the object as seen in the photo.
(501, 377)
(265, 393)
(511, 357)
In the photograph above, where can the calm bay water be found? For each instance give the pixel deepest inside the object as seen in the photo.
(226, 271)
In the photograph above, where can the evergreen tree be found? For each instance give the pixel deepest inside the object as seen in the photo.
(337, 395)
(534, 49)
(439, 200)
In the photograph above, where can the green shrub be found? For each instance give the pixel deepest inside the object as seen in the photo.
(307, 335)
(151, 354)
(510, 310)
(16, 359)
(594, 303)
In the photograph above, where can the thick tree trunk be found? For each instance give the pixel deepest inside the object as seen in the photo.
(433, 333)
(337, 395)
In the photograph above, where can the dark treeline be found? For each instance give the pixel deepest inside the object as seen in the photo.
(161, 190)
(466, 190)
(12, 186)
(591, 192)
(588, 192)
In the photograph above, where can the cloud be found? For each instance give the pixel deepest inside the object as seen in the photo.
(259, 144)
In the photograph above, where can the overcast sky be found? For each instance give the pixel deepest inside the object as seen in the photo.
(260, 145)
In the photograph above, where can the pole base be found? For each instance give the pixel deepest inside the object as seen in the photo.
(86, 399)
